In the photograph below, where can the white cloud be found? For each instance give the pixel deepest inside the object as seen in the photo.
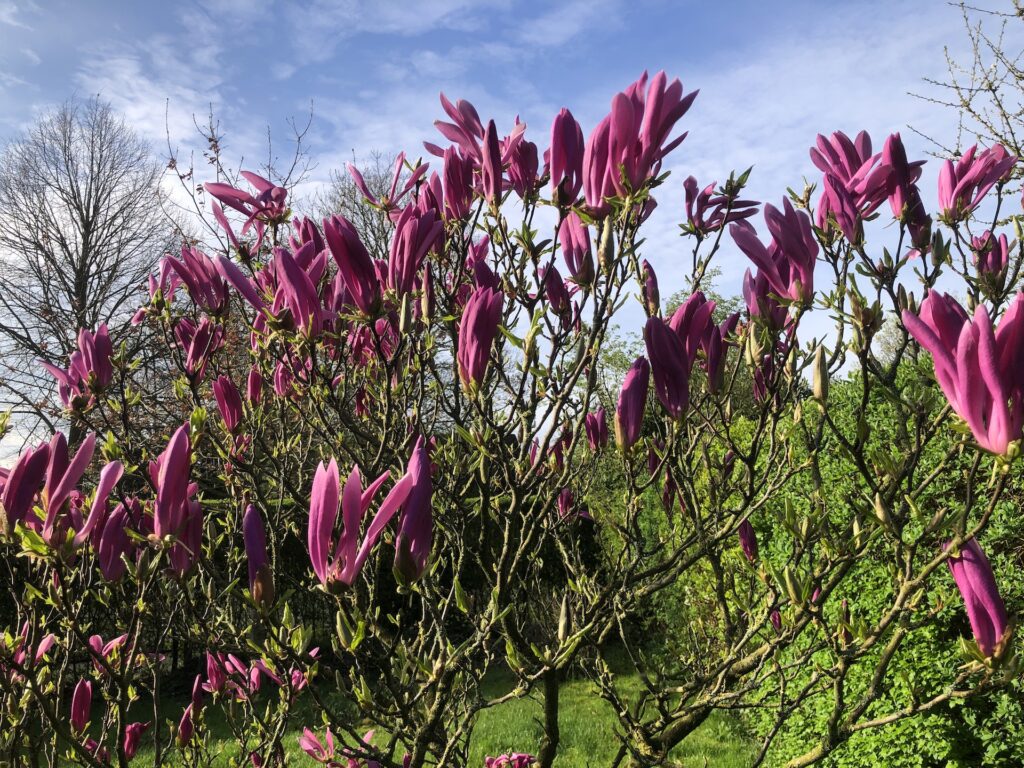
(9, 13)
(566, 20)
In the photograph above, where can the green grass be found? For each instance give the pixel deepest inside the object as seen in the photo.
(586, 722)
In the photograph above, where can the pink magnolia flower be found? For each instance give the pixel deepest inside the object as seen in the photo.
(574, 240)
(186, 726)
(458, 183)
(649, 289)
(229, 402)
(626, 149)
(296, 300)
(22, 485)
(523, 164)
(692, 322)
(477, 330)
(81, 706)
(515, 760)
(89, 371)
(105, 651)
(416, 234)
(22, 652)
(339, 562)
(629, 414)
(261, 578)
(268, 206)
(991, 254)
(748, 540)
(565, 158)
(61, 501)
(491, 165)
(354, 264)
(977, 584)
(708, 211)
(416, 523)
(904, 195)
(670, 366)
(389, 202)
(175, 512)
(855, 184)
(787, 262)
(977, 369)
(761, 303)
(963, 185)
(114, 542)
(596, 425)
(321, 751)
(133, 736)
(198, 342)
(254, 386)
(205, 284)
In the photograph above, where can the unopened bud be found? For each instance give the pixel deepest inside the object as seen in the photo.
(820, 385)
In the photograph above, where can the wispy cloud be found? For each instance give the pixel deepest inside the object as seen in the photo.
(9, 15)
(566, 20)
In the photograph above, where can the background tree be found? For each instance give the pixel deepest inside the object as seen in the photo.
(81, 226)
(343, 196)
(986, 88)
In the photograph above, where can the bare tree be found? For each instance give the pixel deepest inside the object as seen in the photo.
(81, 226)
(985, 88)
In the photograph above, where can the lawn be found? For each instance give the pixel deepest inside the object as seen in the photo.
(587, 727)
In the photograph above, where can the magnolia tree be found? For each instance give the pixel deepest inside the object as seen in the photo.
(382, 486)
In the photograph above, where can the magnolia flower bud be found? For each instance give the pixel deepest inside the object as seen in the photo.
(606, 247)
(563, 620)
(820, 386)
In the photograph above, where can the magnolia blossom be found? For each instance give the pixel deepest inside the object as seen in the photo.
(514, 760)
(229, 402)
(204, 282)
(477, 330)
(708, 211)
(339, 561)
(565, 158)
(991, 254)
(268, 206)
(626, 149)
(904, 195)
(416, 234)
(787, 262)
(855, 182)
(261, 578)
(748, 540)
(596, 426)
(977, 584)
(415, 525)
(176, 513)
(89, 371)
(133, 737)
(389, 202)
(629, 414)
(670, 366)
(963, 185)
(574, 241)
(81, 706)
(978, 369)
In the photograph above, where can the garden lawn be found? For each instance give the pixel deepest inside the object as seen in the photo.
(587, 727)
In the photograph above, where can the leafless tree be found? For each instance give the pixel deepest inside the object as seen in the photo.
(81, 226)
(985, 88)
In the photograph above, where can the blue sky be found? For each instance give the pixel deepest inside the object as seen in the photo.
(772, 75)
